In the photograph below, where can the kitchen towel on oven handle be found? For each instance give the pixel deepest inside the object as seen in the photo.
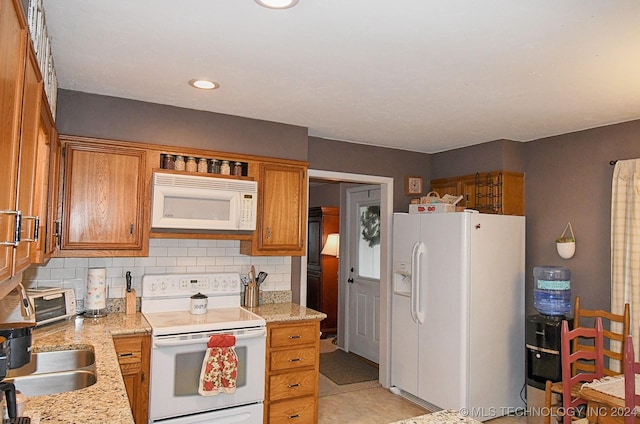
(220, 366)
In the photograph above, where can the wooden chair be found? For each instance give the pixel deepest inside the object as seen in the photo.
(571, 382)
(631, 368)
(583, 318)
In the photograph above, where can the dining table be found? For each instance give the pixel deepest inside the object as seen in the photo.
(605, 400)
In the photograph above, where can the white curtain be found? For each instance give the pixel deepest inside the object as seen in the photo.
(625, 243)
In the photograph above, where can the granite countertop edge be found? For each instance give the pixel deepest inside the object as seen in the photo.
(104, 402)
(286, 312)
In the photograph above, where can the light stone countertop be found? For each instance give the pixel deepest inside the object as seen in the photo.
(284, 312)
(440, 417)
(104, 402)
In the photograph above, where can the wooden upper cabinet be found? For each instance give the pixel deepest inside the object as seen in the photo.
(47, 182)
(282, 204)
(105, 199)
(499, 192)
(29, 166)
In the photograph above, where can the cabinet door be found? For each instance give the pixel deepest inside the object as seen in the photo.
(46, 185)
(13, 42)
(446, 186)
(134, 356)
(282, 205)
(29, 166)
(104, 198)
(314, 293)
(468, 191)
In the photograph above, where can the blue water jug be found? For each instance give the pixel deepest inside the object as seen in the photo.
(552, 290)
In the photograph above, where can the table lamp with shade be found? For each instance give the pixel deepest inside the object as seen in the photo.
(332, 245)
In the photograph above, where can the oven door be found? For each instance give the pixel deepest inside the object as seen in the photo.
(176, 361)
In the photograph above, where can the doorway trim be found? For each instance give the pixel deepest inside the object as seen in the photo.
(386, 217)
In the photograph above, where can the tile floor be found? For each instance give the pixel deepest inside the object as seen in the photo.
(369, 403)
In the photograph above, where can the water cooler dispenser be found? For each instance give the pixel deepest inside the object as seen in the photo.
(552, 299)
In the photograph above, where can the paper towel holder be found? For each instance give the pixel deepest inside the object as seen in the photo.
(95, 301)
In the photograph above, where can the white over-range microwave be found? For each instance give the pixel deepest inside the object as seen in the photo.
(203, 203)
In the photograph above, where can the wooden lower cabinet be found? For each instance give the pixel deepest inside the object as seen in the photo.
(292, 368)
(134, 358)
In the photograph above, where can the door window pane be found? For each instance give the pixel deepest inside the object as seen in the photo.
(369, 242)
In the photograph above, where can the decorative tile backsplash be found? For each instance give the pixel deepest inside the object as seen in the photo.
(165, 256)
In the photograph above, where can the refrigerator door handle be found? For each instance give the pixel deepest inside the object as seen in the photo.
(421, 251)
(414, 280)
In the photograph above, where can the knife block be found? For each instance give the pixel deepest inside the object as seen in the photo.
(130, 302)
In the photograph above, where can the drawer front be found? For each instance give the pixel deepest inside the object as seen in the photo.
(293, 358)
(294, 335)
(295, 411)
(128, 349)
(292, 384)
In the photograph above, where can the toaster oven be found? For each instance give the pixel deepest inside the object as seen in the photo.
(52, 304)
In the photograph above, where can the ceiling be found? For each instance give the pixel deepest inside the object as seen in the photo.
(420, 75)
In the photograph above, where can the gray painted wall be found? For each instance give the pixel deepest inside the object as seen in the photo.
(568, 177)
(332, 155)
(92, 115)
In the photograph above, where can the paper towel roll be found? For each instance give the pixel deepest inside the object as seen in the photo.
(96, 296)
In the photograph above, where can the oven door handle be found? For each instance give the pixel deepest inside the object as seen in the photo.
(177, 342)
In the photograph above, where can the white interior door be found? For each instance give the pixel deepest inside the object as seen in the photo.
(363, 310)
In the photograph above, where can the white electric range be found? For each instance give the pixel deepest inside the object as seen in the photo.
(179, 343)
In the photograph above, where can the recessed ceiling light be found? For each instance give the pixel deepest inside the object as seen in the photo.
(204, 84)
(277, 4)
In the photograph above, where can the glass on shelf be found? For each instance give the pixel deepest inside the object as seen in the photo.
(225, 168)
(214, 166)
(191, 165)
(168, 162)
(179, 165)
(237, 169)
(203, 165)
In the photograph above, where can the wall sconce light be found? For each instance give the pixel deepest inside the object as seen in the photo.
(332, 245)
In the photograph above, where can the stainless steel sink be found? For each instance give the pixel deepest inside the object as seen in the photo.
(55, 372)
(54, 382)
(55, 361)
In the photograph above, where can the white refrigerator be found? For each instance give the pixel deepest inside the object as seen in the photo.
(457, 326)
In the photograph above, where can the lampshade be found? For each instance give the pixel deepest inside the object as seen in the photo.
(332, 246)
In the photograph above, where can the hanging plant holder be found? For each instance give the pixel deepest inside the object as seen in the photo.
(566, 243)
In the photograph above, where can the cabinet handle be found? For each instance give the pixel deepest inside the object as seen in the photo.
(294, 360)
(268, 232)
(121, 355)
(16, 228)
(57, 228)
(294, 385)
(294, 416)
(296, 336)
(36, 228)
(130, 229)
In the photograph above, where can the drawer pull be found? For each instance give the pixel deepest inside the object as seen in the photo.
(294, 416)
(125, 354)
(291, 386)
(295, 360)
(295, 337)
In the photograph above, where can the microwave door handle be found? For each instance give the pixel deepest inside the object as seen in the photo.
(178, 342)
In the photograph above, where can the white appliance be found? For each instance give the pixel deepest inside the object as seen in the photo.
(203, 202)
(179, 343)
(457, 326)
(50, 304)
